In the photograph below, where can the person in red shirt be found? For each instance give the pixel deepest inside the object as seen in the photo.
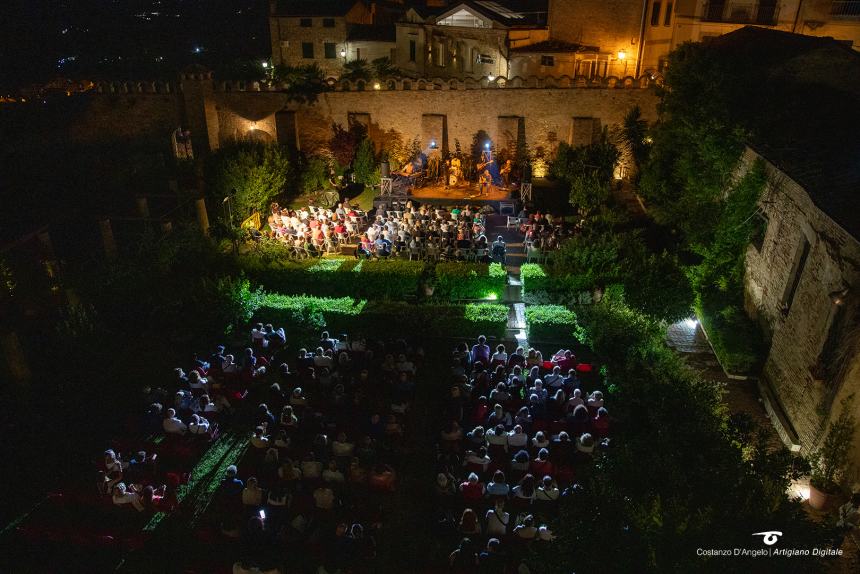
(472, 489)
(541, 466)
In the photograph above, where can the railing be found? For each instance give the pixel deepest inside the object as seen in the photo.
(845, 8)
(742, 13)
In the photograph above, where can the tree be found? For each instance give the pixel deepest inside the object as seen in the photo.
(304, 83)
(632, 140)
(357, 70)
(344, 142)
(365, 166)
(252, 173)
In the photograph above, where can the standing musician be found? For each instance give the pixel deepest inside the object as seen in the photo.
(506, 173)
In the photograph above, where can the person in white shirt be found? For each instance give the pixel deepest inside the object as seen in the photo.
(172, 425)
(252, 495)
(122, 495)
(501, 355)
(554, 380)
(517, 439)
(258, 439)
(497, 521)
(498, 437)
(547, 491)
(575, 400)
(595, 401)
(527, 530)
(258, 336)
(198, 425)
(478, 458)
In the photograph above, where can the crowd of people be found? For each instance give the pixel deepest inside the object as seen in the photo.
(326, 441)
(518, 434)
(314, 230)
(427, 232)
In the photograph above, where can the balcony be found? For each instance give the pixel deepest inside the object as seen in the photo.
(763, 14)
(845, 8)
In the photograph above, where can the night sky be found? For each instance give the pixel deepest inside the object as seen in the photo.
(112, 39)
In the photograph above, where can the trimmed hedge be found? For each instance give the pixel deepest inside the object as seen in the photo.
(537, 278)
(550, 323)
(304, 314)
(458, 280)
(336, 276)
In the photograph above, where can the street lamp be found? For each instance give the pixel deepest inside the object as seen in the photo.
(622, 57)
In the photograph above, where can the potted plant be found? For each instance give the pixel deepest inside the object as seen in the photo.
(830, 461)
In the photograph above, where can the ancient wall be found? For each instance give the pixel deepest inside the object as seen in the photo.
(551, 114)
(129, 112)
(798, 334)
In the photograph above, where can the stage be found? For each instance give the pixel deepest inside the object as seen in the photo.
(461, 193)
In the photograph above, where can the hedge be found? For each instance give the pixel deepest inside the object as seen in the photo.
(304, 314)
(537, 278)
(336, 276)
(458, 280)
(550, 323)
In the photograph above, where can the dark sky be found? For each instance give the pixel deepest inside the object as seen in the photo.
(117, 39)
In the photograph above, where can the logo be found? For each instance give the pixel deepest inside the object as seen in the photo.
(769, 537)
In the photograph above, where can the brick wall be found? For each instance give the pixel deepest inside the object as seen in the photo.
(798, 334)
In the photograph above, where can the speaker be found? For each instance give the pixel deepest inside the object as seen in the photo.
(385, 169)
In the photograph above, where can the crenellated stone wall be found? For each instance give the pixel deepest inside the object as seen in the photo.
(217, 112)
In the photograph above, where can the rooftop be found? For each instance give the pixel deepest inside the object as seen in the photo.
(553, 47)
(801, 96)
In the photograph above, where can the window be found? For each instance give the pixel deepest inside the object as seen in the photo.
(330, 50)
(306, 22)
(796, 275)
(655, 14)
(328, 22)
(308, 50)
(760, 231)
(547, 60)
(413, 48)
(830, 359)
(667, 18)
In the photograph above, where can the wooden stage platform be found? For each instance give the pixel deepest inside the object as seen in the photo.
(460, 193)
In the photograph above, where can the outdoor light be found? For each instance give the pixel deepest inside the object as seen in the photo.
(265, 64)
(487, 145)
(491, 77)
(838, 297)
(491, 297)
(691, 322)
(622, 54)
(262, 514)
(376, 86)
(432, 144)
(343, 52)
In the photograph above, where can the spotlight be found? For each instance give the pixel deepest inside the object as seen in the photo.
(487, 145)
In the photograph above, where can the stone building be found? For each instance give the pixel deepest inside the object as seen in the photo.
(668, 23)
(802, 274)
(467, 39)
(306, 32)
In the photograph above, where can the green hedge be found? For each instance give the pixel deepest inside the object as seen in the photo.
(306, 315)
(336, 276)
(550, 323)
(458, 280)
(537, 278)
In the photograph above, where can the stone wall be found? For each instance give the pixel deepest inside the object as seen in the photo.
(798, 333)
(551, 115)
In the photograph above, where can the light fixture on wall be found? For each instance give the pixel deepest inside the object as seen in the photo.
(491, 77)
(622, 54)
(343, 52)
(838, 297)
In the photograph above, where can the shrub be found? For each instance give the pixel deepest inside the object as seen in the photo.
(735, 338)
(550, 323)
(306, 315)
(334, 276)
(457, 280)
